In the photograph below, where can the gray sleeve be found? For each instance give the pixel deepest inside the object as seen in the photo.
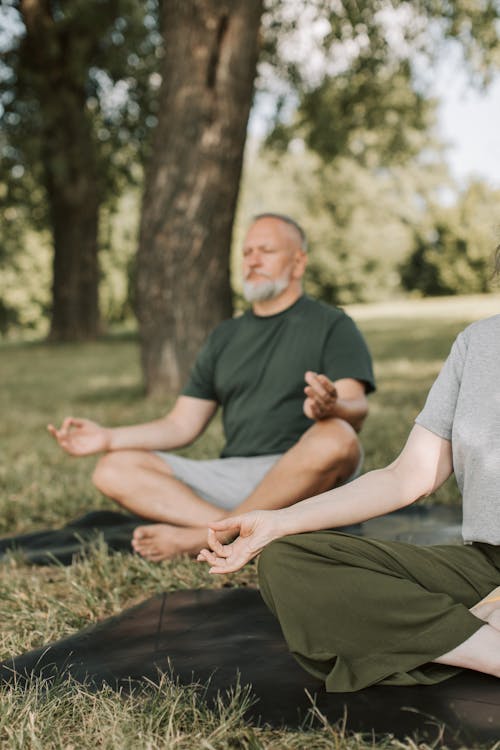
(439, 410)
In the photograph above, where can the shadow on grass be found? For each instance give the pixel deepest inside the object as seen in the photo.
(119, 335)
(108, 394)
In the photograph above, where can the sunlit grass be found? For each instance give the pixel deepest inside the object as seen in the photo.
(42, 487)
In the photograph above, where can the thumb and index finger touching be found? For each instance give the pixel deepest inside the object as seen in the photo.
(67, 424)
(62, 430)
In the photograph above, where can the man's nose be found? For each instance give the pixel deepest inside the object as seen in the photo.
(254, 258)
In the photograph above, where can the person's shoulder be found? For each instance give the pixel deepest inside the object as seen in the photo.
(485, 329)
(320, 309)
(226, 329)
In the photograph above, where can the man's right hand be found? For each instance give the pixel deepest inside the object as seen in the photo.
(81, 437)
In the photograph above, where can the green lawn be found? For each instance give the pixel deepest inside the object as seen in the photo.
(40, 486)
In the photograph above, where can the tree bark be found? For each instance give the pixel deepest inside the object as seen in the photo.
(55, 59)
(183, 287)
(73, 190)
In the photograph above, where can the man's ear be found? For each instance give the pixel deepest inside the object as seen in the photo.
(300, 264)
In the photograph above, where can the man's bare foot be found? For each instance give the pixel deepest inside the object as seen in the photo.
(161, 541)
(488, 609)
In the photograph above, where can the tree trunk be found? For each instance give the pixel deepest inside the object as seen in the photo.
(191, 189)
(54, 57)
(73, 190)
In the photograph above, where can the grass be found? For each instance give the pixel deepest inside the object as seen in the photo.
(40, 486)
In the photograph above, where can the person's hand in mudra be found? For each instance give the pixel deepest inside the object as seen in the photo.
(321, 396)
(81, 437)
(251, 532)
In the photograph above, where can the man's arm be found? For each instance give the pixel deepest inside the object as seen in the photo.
(344, 399)
(180, 427)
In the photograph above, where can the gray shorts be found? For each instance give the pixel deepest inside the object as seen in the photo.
(226, 482)
(223, 482)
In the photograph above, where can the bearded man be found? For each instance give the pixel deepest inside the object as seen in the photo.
(291, 376)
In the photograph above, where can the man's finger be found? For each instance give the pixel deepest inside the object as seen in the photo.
(316, 397)
(327, 385)
(315, 383)
(57, 434)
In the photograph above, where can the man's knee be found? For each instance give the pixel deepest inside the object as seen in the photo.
(114, 469)
(330, 444)
(109, 470)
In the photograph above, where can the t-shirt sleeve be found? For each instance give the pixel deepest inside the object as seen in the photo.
(346, 354)
(201, 381)
(439, 410)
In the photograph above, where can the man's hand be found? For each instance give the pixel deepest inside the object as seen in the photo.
(321, 396)
(252, 532)
(81, 437)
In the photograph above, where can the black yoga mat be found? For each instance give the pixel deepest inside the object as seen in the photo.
(227, 635)
(61, 545)
(419, 524)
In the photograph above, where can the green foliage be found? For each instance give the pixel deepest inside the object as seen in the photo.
(119, 228)
(104, 56)
(25, 286)
(110, 50)
(454, 255)
(357, 89)
(25, 272)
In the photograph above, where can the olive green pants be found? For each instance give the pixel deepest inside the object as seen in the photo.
(357, 611)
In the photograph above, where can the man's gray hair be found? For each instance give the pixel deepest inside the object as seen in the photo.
(287, 220)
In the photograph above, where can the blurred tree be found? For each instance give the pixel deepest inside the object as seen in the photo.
(77, 99)
(359, 81)
(192, 181)
(453, 254)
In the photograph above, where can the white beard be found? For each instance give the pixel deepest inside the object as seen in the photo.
(264, 290)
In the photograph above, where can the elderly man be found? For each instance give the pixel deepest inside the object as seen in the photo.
(291, 376)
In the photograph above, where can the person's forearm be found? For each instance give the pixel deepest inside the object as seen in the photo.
(161, 434)
(371, 495)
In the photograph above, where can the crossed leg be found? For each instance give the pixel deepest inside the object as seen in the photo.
(326, 455)
(143, 483)
(358, 611)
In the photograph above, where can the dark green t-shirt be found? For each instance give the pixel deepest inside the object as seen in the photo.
(254, 368)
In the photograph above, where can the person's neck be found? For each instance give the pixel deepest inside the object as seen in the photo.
(273, 306)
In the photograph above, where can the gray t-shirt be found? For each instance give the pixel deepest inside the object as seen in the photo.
(463, 406)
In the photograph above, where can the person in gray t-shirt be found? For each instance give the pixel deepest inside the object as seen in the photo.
(357, 611)
(463, 407)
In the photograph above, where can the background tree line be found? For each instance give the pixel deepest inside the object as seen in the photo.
(105, 102)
